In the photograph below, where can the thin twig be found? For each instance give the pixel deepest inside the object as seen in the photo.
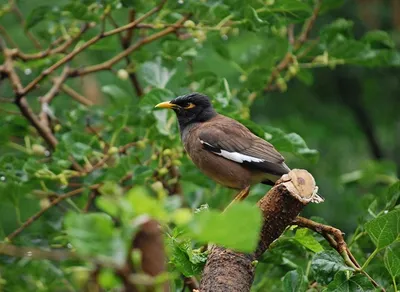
(288, 58)
(42, 211)
(75, 95)
(89, 203)
(308, 26)
(6, 100)
(125, 43)
(335, 238)
(49, 51)
(21, 18)
(8, 38)
(35, 253)
(48, 97)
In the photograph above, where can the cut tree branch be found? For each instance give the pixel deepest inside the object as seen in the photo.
(227, 270)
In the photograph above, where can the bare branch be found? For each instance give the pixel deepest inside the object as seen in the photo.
(308, 26)
(75, 95)
(125, 43)
(48, 97)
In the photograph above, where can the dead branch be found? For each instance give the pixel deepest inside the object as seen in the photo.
(227, 270)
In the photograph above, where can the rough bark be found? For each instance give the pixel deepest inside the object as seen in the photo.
(227, 270)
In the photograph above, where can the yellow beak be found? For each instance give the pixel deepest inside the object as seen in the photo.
(166, 104)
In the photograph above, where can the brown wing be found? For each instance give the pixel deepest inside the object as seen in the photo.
(231, 140)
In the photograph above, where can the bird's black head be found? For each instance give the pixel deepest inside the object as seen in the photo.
(190, 108)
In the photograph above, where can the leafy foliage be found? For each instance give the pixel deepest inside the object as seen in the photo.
(276, 66)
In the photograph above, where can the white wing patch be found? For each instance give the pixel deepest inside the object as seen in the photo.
(234, 156)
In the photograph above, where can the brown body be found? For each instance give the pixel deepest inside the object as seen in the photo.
(224, 171)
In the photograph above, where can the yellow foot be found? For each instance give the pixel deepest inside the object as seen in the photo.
(239, 197)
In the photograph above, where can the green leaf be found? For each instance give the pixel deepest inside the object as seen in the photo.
(80, 150)
(292, 10)
(385, 229)
(222, 50)
(339, 26)
(392, 195)
(292, 143)
(380, 37)
(127, 3)
(155, 74)
(114, 91)
(155, 96)
(392, 260)
(294, 281)
(231, 228)
(344, 283)
(188, 261)
(78, 10)
(326, 264)
(330, 4)
(305, 238)
(37, 15)
(306, 77)
(143, 204)
(94, 235)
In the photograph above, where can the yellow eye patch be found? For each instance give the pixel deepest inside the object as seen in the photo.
(191, 105)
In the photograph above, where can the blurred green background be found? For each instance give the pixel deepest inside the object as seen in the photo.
(341, 97)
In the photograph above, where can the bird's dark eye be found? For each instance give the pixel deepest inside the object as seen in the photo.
(189, 105)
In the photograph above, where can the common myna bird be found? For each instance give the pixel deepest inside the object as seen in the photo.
(224, 149)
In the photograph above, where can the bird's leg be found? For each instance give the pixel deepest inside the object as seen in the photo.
(239, 197)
